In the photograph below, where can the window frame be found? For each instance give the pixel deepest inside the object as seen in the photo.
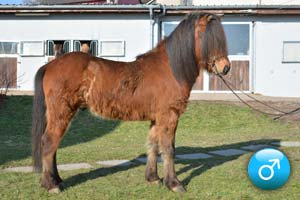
(75, 42)
(163, 34)
(123, 54)
(90, 41)
(17, 55)
(42, 54)
(242, 57)
(97, 47)
(283, 59)
(18, 48)
(53, 40)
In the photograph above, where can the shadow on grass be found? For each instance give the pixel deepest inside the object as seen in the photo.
(197, 167)
(15, 128)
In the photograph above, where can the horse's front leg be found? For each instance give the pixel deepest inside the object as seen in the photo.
(167, 131)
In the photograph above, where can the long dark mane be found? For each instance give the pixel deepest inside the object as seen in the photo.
(180, 46)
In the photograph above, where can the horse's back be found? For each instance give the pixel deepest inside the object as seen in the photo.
(68, 64)
(64, 76)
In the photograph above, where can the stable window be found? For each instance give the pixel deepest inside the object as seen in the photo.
(8, 47)
(87, 46)
(32, 48)
(58, 47)
(291, 52)
(112, 48)
(168, 28)
(238, 40)
(237, 36)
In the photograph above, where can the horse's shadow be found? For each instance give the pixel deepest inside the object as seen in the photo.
(197, 167)
(15, 129)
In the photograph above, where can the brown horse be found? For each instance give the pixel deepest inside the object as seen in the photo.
(155, 87)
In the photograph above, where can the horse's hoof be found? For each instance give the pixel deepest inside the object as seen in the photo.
(178, 189)
(156, 182)
(55, 190)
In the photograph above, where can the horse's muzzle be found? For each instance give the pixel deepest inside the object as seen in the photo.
(226, 70)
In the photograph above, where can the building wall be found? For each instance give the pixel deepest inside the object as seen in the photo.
(268, 74)
(272, 76)
(133, 29)
(169, 2)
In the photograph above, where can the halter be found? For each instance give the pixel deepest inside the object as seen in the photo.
(212, 64)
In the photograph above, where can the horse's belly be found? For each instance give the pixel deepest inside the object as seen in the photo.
(122, 109)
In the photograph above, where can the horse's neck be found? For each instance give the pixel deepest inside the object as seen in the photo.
(159, 55)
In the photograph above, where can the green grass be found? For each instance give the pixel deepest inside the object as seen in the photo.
(204, 127)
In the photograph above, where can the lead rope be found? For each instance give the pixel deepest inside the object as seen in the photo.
(277, 116)
(253, 98)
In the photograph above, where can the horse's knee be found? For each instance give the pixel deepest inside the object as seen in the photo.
(47, 144)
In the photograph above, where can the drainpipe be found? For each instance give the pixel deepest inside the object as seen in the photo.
(159, 17)
(152, 22)
(156, 19)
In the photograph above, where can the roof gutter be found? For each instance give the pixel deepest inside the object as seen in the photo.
(144, 6)
(156, 8)
(77, 7)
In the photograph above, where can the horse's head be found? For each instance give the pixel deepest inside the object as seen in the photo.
(211, 48)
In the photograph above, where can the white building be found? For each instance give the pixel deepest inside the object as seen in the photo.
(263, 40)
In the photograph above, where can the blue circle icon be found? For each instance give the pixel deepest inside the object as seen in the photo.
(269, 169)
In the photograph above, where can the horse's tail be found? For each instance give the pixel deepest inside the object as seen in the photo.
(38, 119)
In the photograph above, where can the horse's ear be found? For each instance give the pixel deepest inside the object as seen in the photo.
(210, 18)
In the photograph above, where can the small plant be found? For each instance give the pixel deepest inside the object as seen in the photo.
(4, 85)
(6, 81)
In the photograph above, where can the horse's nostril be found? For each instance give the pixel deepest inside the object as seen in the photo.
(226, 69)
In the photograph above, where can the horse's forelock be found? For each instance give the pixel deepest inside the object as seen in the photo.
(214, 40)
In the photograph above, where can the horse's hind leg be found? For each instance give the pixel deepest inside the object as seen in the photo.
(151, 169)
(57, 123)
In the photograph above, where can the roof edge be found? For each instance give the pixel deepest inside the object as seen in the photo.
(225, 9)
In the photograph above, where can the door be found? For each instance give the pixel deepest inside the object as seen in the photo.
(8, 64)
(239, 48)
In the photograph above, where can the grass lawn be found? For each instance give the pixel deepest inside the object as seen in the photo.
(204, 127)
